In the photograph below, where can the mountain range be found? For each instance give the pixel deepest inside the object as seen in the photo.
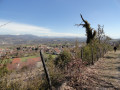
(31, 39)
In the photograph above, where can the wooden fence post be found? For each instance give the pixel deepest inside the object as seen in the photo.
(81, 53)
(92, 56)
(103, 51)
(97, 54)
(100, 52)
(45, 69)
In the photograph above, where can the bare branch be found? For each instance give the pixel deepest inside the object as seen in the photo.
(4, 24)
(79, 24)
(82, 18)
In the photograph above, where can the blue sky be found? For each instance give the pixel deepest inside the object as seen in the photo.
(57, 17)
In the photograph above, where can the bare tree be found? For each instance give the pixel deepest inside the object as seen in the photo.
(100, 33)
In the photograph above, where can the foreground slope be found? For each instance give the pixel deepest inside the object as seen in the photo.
(106, 72)
(103, 75)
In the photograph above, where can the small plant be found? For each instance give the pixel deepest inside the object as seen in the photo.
(50, 57)
(3, 71)
(63, 59)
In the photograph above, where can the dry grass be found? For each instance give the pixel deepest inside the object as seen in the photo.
(105, 73)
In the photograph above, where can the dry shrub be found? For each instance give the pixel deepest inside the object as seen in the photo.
(63, 59)
(56, 74)
(74, 72)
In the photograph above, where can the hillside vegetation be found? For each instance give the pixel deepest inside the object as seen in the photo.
(78, 67)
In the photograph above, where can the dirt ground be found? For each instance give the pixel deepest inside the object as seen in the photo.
(103, 75)
(106, 72)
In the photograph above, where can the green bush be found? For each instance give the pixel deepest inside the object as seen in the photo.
(3, 71)
(50, 57)
(63, 59)
(56, 75)
(87, 54)
(94, 50)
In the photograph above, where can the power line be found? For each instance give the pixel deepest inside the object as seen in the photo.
(4, 24)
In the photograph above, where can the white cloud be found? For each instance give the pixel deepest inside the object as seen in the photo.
(19, 28)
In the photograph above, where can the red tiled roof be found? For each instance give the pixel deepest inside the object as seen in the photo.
(30, 62)
(16, 60)
(57, 50)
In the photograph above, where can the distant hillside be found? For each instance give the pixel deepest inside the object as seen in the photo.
(31, 39)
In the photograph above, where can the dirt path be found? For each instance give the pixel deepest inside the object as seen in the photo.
(103, 75)
(107, 72)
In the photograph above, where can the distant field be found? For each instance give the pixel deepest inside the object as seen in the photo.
(23, 59)
(54, 56)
